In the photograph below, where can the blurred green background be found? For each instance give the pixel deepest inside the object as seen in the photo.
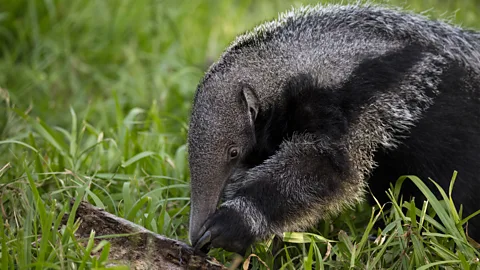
(95, 97)
(56, 54)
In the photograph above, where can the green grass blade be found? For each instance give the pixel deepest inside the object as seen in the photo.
(465, 220)
(103, 258)
(136, 208)
(430, 265)
(49, 135)
(5, 250)
(88, 251)
(442, 214)
(95, 198)
(19, 143)
(379, 256)
(138, 157)
(73, 134)
(127, 199)
(303, 237)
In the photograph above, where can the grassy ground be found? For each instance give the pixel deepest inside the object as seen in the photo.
(94, 104)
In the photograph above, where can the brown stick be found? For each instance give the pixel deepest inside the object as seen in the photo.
(141, 248)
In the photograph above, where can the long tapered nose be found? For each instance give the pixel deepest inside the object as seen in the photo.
(204, 199)
(199, 213)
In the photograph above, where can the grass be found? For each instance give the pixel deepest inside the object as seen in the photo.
(94, 104)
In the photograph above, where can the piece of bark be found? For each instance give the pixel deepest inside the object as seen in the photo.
(141, 248)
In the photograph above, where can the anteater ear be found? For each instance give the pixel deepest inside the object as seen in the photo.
(253, 103)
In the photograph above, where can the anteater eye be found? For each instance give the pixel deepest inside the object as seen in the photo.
(233, 152)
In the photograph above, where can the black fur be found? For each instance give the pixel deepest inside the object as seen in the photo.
(439, 144)
(308, 108)
(235, 236)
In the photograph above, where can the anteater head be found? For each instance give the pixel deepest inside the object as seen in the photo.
(221, 134)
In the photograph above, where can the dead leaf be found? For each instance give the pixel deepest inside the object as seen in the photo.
(247, 262)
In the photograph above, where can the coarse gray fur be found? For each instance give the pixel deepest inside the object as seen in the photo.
(328, 43)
